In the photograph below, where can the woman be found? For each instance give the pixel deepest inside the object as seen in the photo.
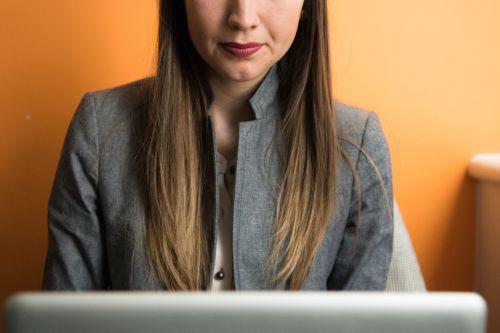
(231, 168)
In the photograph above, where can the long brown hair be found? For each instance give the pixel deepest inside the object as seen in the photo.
(177, 194)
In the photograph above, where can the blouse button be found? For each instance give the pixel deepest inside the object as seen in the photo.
(219, 275)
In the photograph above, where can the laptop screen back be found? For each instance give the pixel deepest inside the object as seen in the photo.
(244, 312)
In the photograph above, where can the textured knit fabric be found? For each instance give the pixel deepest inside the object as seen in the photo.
(96, 218)
(223, 250)
(404, 272)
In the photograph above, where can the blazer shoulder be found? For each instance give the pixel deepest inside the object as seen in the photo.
(113, 119)
(351, 121)
(359, 128)
(119, 102)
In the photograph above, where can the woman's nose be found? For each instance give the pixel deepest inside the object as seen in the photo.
(243, 14)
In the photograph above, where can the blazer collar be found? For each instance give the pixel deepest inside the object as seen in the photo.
(262, 101)
(264, 98)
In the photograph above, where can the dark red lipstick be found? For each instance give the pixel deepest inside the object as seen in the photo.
(242, 50)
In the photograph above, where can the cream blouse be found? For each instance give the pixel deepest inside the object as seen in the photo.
(222, 276)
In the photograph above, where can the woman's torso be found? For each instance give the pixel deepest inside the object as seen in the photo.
(106, 120)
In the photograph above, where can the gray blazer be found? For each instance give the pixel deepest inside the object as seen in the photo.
(96, 222)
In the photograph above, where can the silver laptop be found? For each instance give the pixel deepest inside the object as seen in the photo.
(244, 312)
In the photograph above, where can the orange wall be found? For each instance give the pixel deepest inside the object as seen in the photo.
(51, 53)
(431, 70)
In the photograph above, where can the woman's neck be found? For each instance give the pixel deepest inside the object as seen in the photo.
(231, 99)
(229, 107)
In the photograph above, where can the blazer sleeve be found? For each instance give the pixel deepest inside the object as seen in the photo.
(76, 254)
(365, 252)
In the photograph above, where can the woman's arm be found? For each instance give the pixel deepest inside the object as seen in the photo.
(76, 254)
(365, 252)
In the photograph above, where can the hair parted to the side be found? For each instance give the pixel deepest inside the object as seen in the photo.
(176, 132)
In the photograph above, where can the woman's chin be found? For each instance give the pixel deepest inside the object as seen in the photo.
(245, 73)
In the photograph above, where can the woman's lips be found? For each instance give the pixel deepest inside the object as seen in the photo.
(242, 50)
